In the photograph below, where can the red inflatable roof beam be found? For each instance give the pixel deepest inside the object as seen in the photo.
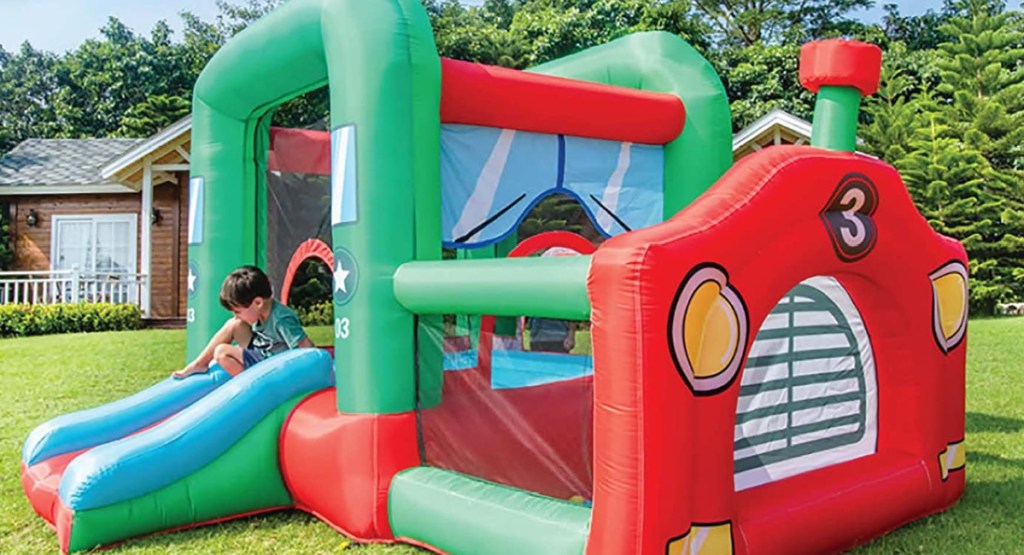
(840, 63)
(477, 94)
(299, 151)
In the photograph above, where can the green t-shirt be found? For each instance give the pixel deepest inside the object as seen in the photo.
(279, 332)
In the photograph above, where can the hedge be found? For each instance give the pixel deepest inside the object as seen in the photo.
(21, 320)
(321, 314)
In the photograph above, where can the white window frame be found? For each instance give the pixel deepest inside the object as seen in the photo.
(132, 219)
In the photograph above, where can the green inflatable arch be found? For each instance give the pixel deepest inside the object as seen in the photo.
(385, 74)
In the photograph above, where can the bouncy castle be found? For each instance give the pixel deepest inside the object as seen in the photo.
(777, 347)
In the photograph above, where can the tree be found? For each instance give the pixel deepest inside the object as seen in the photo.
(522, 33)
(961, 196)
(476, 34)
(761, 78)
(983, 76)
(903, 104)
(749, 22)
(106, 78)
(550, 29)
(920, 32)
(153, 114)
(27, 88)
(233, 18)
(982, 80)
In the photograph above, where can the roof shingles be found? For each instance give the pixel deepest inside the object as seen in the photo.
(61, 161)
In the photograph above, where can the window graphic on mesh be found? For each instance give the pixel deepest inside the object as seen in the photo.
(808, 395)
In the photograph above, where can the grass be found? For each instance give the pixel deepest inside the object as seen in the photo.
(43, 377)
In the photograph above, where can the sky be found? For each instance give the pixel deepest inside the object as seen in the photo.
(61, 25)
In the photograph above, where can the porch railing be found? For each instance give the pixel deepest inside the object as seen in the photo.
(70, 286)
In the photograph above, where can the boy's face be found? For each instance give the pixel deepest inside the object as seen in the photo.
(249, 314)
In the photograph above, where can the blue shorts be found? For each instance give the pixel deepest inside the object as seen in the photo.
(250, 357)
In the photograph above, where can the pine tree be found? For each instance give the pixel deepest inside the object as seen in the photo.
(961, 195)
(983, 76)
(901, 106)
(153, 114)
(963, 164)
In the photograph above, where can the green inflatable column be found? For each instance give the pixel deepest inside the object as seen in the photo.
(219, 241)
(274, 59)
(385, 96)
(835, 118)
(841, 72)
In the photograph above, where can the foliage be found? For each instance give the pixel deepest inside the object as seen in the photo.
(949, 115)
(101, 82)
(983, 75)
(24, 320)
(550, 29)
(950, 119)
(121, 84)
(28, 84)
(319, 314)
(522, 33)
(312, 285)
(153, 114)
(761, 78)
(557, 213)
(742, 23)
(921, 32)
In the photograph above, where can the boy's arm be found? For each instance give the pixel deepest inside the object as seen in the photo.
(291, 332)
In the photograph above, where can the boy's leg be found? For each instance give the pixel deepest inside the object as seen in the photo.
(230, 358)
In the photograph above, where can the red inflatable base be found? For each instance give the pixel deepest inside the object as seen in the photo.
(41, 483)
(338, 467)
(871, 496)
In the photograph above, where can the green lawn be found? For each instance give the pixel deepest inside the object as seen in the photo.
(47, 376)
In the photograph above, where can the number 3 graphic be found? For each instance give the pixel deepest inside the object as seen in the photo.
(859, 234)
(341, 328)
(848, 217)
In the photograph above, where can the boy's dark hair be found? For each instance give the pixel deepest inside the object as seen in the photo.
(243, 286)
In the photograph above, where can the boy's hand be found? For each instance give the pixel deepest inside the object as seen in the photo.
(188, 371)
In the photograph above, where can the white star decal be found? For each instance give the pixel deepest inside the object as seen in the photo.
(191, 280)
(340, 275)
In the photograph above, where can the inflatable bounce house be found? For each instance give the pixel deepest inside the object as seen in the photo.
(777, 348)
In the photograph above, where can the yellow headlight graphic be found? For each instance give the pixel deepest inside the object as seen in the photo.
(703, 539)
(949, 305)
(953, 457)
(708, 330)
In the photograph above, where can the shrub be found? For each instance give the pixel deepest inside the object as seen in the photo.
(320, 314)
(23, 320)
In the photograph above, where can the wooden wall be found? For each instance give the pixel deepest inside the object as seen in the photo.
(181, 216)
(169, 262)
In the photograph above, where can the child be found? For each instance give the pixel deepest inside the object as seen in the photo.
(553, 336)
(261, 326)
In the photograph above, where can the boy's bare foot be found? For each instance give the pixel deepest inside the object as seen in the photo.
(188, 371)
